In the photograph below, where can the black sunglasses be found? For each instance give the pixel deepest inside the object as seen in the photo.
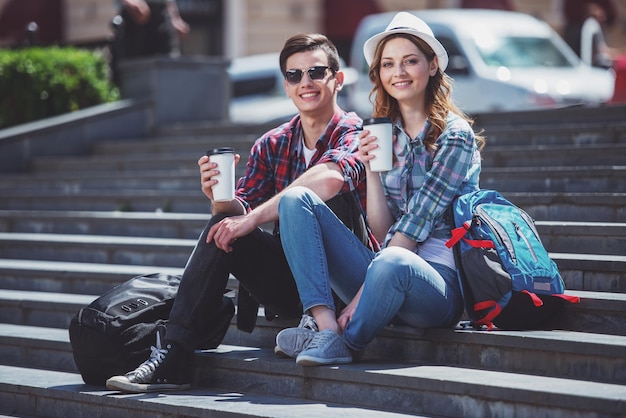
(315, 73)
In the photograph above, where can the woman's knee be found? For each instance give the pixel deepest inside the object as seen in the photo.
(392, 258)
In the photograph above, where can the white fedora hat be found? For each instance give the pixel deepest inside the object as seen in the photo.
(405, 22)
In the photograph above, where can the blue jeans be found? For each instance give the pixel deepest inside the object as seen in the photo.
(324, 255)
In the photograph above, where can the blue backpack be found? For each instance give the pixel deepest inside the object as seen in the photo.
(507, 277)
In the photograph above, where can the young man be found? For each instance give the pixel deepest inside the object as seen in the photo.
(316, 149)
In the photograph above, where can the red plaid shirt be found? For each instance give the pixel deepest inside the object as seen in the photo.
(276, 159)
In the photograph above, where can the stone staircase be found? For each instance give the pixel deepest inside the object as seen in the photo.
(74, 226)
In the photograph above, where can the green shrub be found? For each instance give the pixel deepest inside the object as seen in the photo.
(36, 83)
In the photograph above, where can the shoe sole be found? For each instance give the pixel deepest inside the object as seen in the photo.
(129, 387)
(317, 361)
(281, 352)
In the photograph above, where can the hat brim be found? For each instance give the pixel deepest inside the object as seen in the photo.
(369, 47)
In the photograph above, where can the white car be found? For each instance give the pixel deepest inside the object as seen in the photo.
(499, 60)
(257, 92)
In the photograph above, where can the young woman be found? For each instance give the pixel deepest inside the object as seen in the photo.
(413, 279)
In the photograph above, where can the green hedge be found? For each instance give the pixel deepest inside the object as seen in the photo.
(36, 83)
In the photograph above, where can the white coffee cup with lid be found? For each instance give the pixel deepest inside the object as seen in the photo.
(224, 189)
(381, 128)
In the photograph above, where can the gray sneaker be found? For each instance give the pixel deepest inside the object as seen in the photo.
(326, 348)
(291, 341)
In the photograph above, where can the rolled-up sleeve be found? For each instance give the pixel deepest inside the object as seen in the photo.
(343, 151)
(451, 164)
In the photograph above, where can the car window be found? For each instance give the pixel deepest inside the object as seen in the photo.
(255, 86)
(520, 52)
(457, 62)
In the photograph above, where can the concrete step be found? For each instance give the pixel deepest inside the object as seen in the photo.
(557, 236)
(493, 156)
(594, 272)
(577, 179)
(606, 239)
(70, 277)
(73, 277)
(183, 161)
(42, 393)
(421, 387)
(575, 207)
(584, 356)
(520, 179)
(23, 251)
(103, 249)
(554, 155)
(168, 145)
(140, 224)
(572, 207)
(76, 181)
(180, 201)
(583, 237)
(573, 133)
(579, 116)
(598, 312)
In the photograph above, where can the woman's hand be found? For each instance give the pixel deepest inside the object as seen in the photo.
(348, 312)
(366, 144)
(346, 315)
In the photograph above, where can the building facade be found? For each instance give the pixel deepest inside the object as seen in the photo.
(234, 28)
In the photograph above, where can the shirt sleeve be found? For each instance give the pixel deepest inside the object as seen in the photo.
(342, 149)
(450, 166)
(258, 184)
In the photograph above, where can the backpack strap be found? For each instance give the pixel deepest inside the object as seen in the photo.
(487, 320)
(536, 300)
(569, 298)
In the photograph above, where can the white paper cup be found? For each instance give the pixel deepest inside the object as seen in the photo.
(381, 128)
(224, 190)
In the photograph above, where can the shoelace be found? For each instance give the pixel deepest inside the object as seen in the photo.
(157, 354)
(308, 322)
(148, 366)
(321, 339)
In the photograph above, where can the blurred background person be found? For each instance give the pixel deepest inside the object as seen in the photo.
(487, 4)
(593, 47)
(576, 12)
(149, 27)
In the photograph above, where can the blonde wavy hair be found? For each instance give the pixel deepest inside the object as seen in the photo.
(438, 95)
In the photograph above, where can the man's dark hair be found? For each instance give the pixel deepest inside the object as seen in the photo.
(309, 42)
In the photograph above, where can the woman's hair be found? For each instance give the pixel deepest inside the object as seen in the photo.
(309, 42)
(438, 94)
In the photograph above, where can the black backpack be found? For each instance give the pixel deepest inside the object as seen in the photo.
(113, 334)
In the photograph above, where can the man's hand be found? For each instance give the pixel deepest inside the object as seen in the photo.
(209, 169)
(225, 232)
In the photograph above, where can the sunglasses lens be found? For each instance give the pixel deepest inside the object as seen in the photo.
(317, 73)
(293, 76)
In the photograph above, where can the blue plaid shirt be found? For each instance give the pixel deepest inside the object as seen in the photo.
(421, 185)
